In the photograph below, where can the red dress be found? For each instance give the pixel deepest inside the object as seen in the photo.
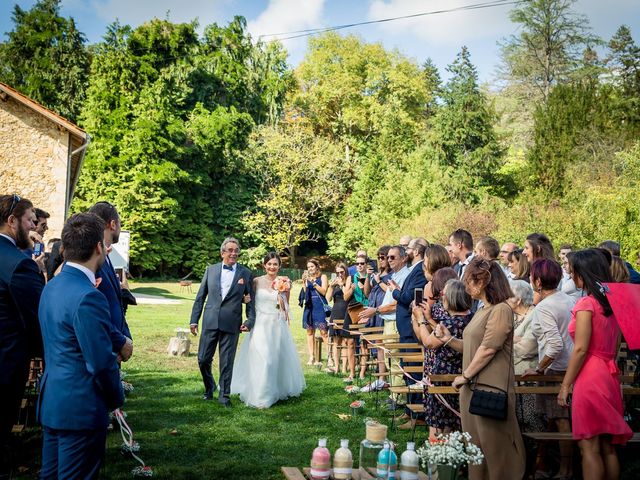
(596, 405)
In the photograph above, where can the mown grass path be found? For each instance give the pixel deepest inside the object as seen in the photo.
(213, 442)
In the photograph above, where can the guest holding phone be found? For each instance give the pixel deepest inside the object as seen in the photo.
(336, 294)
(439, 358)
(314, 286)
(355, 294)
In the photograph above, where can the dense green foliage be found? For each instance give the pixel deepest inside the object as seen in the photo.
(198, 136)
(31, 59)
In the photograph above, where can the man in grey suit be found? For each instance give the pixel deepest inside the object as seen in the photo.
(227, 285)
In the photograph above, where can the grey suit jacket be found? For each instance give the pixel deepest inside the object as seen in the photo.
(224, 314)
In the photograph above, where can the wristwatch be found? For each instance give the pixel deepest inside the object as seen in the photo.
(377, 311)
(539, 370)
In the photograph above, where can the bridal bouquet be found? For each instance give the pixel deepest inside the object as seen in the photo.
(281, 284)
(454, 449)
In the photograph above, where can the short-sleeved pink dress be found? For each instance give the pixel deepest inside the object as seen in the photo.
(596, 405)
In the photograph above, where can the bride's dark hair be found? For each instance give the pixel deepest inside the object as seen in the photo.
(271, 256)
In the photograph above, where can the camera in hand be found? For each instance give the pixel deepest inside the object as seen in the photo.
(418, 296)
(38, 248)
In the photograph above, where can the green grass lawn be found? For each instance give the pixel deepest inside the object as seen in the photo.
(213, 442)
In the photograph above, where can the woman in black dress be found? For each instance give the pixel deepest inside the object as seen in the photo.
(335, 294)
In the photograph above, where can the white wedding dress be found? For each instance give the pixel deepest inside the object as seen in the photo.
(267, 367)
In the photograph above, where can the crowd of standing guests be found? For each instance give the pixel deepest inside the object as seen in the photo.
(486, 314)
(70, 312)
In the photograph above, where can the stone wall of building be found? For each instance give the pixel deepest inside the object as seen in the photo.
(33, 160)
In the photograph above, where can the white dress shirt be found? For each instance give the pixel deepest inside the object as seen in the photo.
(399, 277)
(90, 275)
(226, 279)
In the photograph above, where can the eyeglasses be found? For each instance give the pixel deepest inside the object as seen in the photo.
(14, 202)
(360, 263)
(391, 257)
(233, 250)
(340, 272)
(382, 257)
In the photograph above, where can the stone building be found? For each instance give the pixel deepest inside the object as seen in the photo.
(41, 154)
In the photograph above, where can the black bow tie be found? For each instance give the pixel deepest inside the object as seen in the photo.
(227, 267)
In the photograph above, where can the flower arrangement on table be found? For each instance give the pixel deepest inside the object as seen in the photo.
(282, 285)
(453, 449)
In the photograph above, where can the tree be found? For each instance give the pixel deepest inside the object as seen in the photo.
(462, 135)
(172, 115)
(574, 120)
(304, 180)
(45, 58)
(548, 48)
(624, 62)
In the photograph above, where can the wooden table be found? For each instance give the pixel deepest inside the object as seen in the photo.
(294, 473)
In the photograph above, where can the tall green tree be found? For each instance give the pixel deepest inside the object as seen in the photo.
(462, 135)
(577, 115)
(46, 59)
(624, 61)
(171, 114)
(547, 48)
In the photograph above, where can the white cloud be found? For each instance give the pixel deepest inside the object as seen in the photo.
(136, 12)
(442, 29)
(287, 16)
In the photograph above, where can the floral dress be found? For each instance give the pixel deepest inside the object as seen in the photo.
(441, 361)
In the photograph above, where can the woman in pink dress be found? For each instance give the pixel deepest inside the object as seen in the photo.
(596, 407)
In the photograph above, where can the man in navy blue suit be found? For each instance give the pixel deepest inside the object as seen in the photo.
(20, 287)
(109, 284)
(81, 382)
(404, 296)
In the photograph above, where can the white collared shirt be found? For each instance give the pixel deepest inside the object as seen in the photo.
(399, 277)
(90, 275)
(226, 279)
(465, 264)
(9, 238)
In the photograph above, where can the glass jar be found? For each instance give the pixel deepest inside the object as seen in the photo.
(370, 447)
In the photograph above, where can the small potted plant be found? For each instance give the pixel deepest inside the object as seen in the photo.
(447, 453)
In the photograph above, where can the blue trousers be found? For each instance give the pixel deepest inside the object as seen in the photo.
(72, 454)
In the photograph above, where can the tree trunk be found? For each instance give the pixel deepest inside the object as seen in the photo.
(292, 257)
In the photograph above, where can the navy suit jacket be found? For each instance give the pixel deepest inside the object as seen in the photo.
(224, 314)
(20, 288)
(81, 381)
(404, 297)
(110, 287)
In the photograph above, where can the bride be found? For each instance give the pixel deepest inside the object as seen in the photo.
(267, 368)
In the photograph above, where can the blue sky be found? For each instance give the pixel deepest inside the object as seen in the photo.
(439, 36)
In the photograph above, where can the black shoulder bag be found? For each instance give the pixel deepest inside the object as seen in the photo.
(490, 404)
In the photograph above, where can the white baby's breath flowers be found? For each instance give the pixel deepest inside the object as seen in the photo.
(453, 449)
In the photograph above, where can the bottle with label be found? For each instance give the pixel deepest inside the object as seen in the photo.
(321, 461)
(409, 463)
(387, 463)
(343, 462)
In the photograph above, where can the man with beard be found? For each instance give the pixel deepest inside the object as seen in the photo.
(109, 283)
(81, 382)
(20, 288)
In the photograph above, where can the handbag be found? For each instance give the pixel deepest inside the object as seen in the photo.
(326, 306)
(489, 404)
(353, 310)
